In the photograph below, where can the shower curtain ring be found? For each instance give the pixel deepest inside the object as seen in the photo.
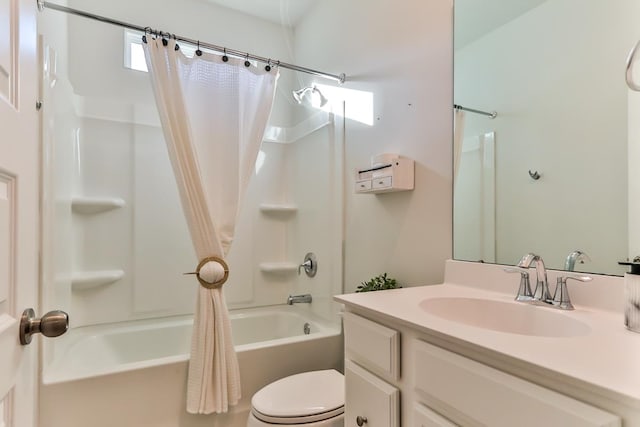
(165, 42)
(198, 51)
(144, 36)
(246, 61)
(225, 58)
(268, 67)
(177, 46)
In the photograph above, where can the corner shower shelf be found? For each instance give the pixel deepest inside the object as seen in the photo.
(278, 208)
(84, 280)
(278, 267)
(95, 205)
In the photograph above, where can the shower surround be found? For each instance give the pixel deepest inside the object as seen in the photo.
(115, 243)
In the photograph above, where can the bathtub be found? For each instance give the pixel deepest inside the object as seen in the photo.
(134, 373)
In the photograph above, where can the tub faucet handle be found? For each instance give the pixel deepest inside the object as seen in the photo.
(306, 265)
(310, 265)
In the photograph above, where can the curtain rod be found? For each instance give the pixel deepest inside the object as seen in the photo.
(492, 114)
(45, 4)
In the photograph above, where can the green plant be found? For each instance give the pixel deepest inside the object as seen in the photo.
(378, 283)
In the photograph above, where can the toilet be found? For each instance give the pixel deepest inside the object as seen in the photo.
(310, 399)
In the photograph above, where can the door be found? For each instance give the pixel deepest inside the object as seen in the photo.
(19, 226)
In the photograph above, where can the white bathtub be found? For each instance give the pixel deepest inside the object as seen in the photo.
(134, 373)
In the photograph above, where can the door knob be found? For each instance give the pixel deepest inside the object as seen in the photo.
(361, 420)
(52, 324)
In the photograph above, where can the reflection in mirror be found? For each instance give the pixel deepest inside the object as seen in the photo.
(549, 174)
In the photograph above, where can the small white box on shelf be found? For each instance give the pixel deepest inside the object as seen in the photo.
(387, 173)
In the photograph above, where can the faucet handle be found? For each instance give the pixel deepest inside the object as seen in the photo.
(307, 265)
(524, 291)
(310, 265)
(561, 295)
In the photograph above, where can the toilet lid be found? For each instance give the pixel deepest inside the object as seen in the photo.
(306, 397)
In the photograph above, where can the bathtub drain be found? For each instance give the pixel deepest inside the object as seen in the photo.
(307, 329)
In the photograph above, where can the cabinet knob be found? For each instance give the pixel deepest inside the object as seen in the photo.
(361, 420)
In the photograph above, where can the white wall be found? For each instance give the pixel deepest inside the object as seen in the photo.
(559, 91)
(401, 53)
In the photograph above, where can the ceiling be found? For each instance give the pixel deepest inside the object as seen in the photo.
(475, 18)
(282, 12)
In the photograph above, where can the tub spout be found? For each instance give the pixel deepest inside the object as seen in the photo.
(295, 299)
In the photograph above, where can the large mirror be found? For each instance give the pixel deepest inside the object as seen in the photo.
(555, 171)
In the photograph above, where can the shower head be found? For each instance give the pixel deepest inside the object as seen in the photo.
(300, 94)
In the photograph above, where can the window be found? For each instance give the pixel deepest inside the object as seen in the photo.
(134, 55)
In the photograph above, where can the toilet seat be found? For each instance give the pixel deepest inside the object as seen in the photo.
(298, 420)
(302, 398)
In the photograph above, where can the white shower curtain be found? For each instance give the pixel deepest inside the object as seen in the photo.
(213, 116)
(458, 137)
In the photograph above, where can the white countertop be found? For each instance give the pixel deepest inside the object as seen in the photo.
(607, 359)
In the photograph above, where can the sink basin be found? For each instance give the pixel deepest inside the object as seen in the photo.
(508, 317)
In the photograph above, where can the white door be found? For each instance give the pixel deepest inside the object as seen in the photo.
(19, 226)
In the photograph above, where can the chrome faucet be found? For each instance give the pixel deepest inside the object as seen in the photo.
(541, 293)
(295, 299)
(577, 255)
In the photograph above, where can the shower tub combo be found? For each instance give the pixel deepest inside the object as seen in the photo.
(143, 366)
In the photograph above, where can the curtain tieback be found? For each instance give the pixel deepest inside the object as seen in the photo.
(212, 272)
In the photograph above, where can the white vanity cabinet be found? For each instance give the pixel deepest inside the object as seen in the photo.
(371, 368)
(440, 388)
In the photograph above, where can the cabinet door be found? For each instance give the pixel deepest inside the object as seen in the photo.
(373, 346)
(425, 417)
(368, 397)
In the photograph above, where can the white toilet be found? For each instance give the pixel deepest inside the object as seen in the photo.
(310, 399)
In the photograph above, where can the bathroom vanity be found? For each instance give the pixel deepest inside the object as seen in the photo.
(464, 353)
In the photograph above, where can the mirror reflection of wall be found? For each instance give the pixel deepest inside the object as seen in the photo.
(554, 72)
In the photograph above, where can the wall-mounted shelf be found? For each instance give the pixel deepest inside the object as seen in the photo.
(95, 205)
(278, 208)
(387, 173)
(84, 280)
(278, 267)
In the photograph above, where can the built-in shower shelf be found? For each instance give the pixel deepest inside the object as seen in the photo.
(278, 208)
(95, 205)
(83, 280)
(278, 267)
